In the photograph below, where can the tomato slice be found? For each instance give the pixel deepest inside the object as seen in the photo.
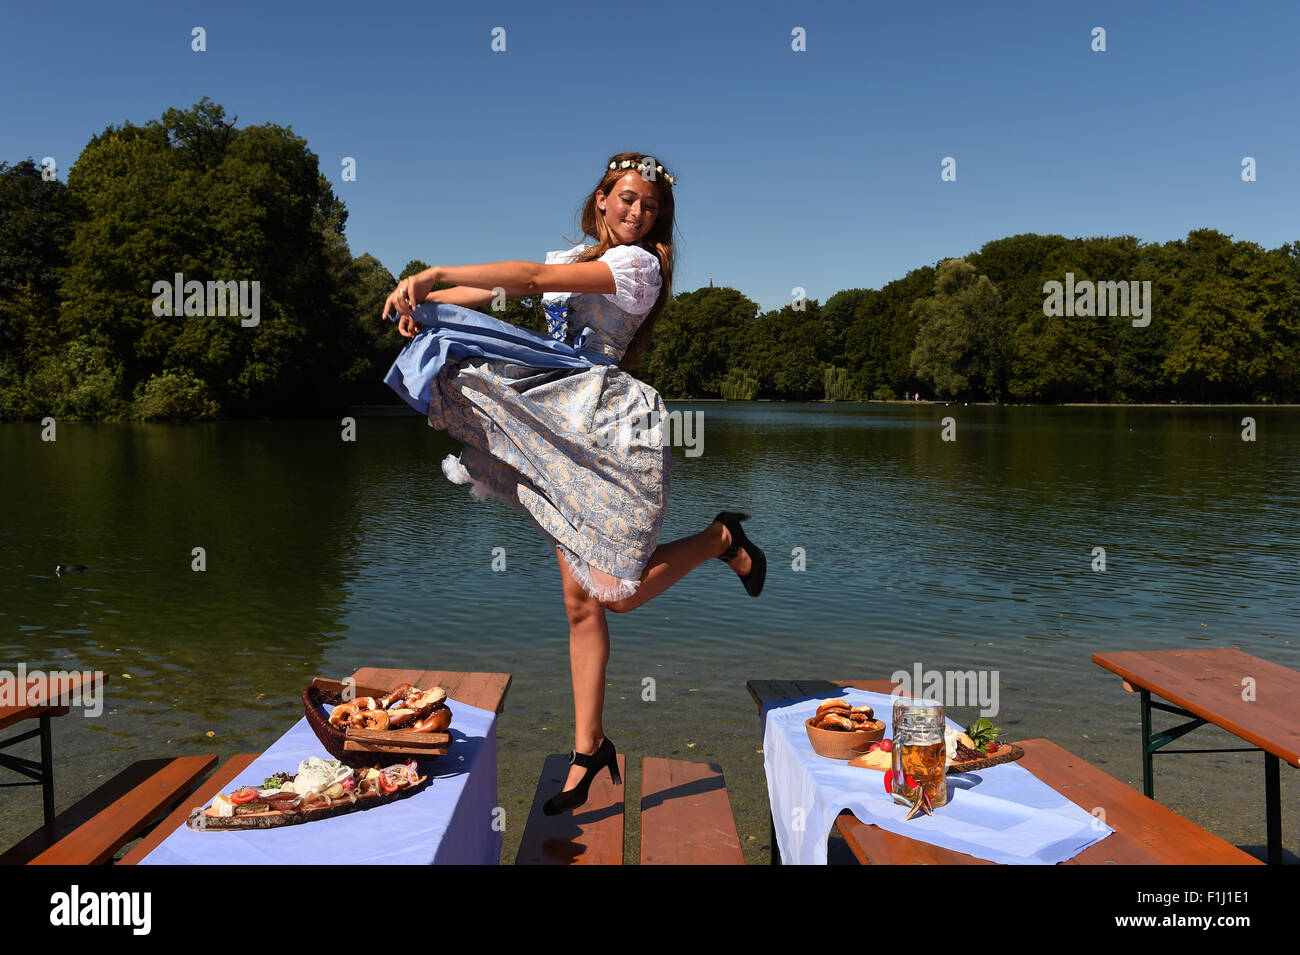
(243, 796)
(387, 784)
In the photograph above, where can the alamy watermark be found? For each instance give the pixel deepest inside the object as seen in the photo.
(180, 297)
(683, 429)
(51, 688)
(127, 909)
(950, 687)
(1088, 299)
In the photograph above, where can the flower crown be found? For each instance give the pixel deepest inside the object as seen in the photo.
(643, 164)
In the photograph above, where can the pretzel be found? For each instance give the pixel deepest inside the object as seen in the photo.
(833, 721)
(833, 706)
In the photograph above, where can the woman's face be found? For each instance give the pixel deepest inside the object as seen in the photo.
(630, 208)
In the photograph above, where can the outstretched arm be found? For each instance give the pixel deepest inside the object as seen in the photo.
(527, 278)
(462, 295)
(476, 284)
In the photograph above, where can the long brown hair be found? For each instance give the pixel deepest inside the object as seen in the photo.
(658, 240)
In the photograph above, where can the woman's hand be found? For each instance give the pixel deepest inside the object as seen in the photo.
(410, 292)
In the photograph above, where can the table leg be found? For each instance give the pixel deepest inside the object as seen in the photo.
(47, 770)
(1273, 801)
(1148, 784)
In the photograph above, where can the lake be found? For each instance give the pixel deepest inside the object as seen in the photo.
(889, 549)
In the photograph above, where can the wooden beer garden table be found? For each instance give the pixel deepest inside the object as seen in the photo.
(35, 698)
(1146, 833)
(487, 691)
(1211, 686)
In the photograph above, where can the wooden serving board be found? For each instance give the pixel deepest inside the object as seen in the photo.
(206, 819)
(402, 748)
(1007, 752)
(393, 741)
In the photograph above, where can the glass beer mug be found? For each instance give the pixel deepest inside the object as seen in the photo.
(919, 751)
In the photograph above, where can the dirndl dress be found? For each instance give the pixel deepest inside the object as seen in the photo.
(549, 423)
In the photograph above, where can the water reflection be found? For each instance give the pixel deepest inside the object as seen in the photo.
(323, 555)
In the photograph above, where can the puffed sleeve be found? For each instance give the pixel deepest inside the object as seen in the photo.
(636, 278)
(560, 257)
(563, 255)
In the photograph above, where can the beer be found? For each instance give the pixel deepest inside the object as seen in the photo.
(924, 762)
(919, 751)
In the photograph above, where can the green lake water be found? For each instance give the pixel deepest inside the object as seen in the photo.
(888, 547)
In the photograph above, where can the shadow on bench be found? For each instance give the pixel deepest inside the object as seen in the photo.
(132, 802)
(685, 818)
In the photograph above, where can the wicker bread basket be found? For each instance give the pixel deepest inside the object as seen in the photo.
(355, 747)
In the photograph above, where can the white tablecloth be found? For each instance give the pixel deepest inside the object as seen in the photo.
(449, 821)
(1004, 813)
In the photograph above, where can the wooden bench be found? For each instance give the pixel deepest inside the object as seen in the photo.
(686, 816)
(590, 835)
(1209, 686)
(220, 781)
(93, 830)
(1145, 833)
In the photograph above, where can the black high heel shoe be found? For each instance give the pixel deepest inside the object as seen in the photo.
(753, 580)
(605, 755)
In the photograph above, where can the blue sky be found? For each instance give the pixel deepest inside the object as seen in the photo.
(818, 169)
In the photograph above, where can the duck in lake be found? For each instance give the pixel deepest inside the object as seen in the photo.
(62, 569)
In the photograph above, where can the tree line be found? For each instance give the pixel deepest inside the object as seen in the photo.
(192, 195)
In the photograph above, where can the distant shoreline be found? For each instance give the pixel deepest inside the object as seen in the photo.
(378, 411)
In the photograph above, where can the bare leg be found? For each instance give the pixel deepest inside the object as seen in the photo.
(589, 631)
(672, 561)
(588, 655)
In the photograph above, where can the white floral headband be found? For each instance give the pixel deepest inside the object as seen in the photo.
(643, 164)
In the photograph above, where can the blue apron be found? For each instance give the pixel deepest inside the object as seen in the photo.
(453, 332)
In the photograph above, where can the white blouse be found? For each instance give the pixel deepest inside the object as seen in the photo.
(636, 277)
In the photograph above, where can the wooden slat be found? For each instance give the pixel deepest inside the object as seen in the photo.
(875, 846)
(1209, 683)
(1146, 833)
(686, 816)
(487, 691)
(449, 680)
(498, 687)
(85, 809)
(1148, 827)
(95, 841)
(403, 750)
(35, 689)
(388, 740)
(374, 676)
(484, 690)
(590, 835)
(472, 690)
(225, 777)
(9, 715)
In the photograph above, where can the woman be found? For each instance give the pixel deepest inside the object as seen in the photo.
(552, 426)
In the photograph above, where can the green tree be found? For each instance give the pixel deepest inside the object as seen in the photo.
(192, 194)
(694, 339)
(957, 341)
(783, 350)
(1236, 327)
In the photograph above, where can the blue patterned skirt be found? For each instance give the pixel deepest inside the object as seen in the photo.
(558, 431)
